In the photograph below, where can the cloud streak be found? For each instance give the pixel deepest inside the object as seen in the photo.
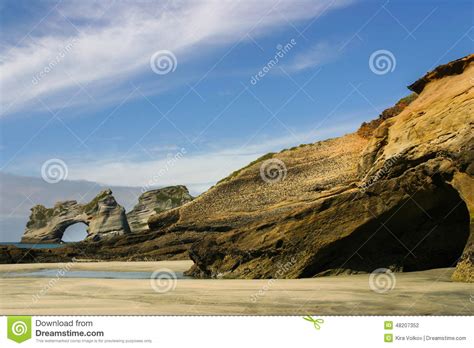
(315, 56)
(198, 171)
(116, 42)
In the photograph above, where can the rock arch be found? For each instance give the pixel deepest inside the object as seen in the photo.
(103, 216)
(75, 233)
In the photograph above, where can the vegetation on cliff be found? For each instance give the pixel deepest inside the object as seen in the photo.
(322, 214)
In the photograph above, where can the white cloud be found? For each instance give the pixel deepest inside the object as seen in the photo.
(315, 56)
(117, 39)
(127, 177)
(198, 171)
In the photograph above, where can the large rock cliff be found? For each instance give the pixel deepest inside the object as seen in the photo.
(156, 201)
(397, 196)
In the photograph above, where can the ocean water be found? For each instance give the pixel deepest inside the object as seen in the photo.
(34, 246)
(61, 273)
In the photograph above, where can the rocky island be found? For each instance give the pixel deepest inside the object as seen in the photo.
(103, 216)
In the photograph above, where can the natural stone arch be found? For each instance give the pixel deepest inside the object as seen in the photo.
(103, 216)
(75, 232)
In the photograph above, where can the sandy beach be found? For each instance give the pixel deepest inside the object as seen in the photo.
(417, 293)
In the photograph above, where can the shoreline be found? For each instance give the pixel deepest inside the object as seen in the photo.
(415, 293)
(92, 265)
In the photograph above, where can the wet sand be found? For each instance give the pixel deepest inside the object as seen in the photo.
(415, 293)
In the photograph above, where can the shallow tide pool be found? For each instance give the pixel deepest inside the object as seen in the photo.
(61, 273)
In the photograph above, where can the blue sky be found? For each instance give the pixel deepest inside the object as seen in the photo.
(103, 111)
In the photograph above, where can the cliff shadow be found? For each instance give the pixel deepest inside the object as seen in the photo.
(428, 230)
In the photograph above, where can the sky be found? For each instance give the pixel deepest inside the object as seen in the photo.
(155, 93)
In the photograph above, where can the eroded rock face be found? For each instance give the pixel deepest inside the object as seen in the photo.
(156, 201)
(436, 131)
(398, 195)
(103, 216)
(401, 199)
